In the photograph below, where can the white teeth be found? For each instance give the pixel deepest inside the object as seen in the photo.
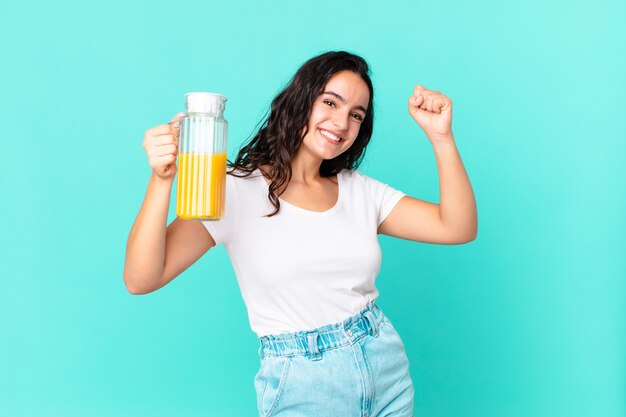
(330, 135)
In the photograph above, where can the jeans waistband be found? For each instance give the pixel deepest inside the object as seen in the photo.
(312, 343)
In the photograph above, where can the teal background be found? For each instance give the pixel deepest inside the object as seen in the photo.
(528, 320)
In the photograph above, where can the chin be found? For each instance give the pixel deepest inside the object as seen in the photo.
(335, 156)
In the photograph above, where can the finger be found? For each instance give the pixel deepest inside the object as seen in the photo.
(424, 105)
(177, 117)
(446, 104)
(436, 104)
(163, 160)
(415, 101)
(164, 140)
(440, 104)
(151, 142)
(429, 102)
(175, 122)
(419, 89)
(163, 150)
(165, 129)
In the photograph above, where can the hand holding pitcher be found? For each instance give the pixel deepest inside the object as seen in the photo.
(161, 146)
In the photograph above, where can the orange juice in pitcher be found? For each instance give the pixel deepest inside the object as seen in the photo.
(201, 186)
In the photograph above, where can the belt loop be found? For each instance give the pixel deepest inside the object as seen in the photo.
(373, 323)
(261, 354)
(314, 353)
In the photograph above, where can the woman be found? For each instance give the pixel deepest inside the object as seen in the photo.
(300, 227)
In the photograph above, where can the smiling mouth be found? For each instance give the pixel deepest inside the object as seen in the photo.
(330, 136)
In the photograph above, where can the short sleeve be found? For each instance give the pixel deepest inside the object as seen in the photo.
(385, 197)
(223, 230)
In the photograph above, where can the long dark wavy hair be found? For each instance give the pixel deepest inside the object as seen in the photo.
(281, 133)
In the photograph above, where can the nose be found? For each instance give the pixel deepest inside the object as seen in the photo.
(341, 121)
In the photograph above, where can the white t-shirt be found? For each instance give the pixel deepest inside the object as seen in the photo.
(301, 269)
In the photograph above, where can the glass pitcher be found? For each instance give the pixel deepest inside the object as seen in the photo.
(201, 170)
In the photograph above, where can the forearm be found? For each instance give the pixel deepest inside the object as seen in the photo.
(145, 250)
(457, 207)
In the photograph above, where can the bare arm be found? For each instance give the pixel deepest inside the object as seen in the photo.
(453, 221)
(156, 254)
(145, 249)
(458, 204)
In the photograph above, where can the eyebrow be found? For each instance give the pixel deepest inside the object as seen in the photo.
(343, 100)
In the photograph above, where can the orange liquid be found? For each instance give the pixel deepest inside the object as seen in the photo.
(201, 186)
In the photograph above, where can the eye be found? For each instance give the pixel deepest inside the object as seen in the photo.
(329, 103)
(357, 116)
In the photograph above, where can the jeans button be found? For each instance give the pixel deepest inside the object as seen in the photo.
(349, 332)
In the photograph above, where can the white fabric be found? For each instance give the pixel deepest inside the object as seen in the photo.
(301, 269)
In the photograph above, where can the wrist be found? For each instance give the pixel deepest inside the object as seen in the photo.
(442, 140)
(160, 181)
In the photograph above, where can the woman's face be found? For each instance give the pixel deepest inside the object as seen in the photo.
(337, 113)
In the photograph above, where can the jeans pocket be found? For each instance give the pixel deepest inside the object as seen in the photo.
(269, 383)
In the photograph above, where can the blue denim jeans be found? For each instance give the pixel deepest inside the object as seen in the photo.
(356, 368)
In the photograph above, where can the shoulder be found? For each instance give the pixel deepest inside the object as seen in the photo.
(350, 174)
(355, 176)
(355, 182)
(363, 183)
(239, 182)
(238, 175)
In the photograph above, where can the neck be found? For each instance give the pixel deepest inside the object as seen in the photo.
(305, 169)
